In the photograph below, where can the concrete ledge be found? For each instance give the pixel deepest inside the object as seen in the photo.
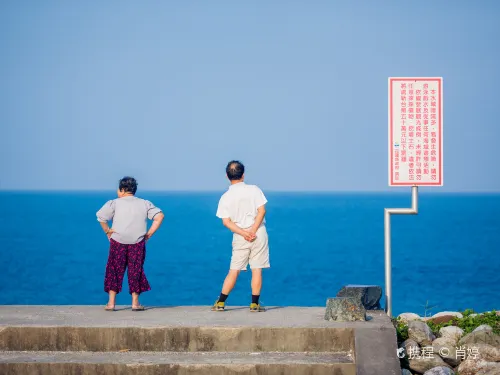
(132, 358)
(144, 363)
(173, 369)
(178, 339)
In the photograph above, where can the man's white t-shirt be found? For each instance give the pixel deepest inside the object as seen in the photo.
(240, 204)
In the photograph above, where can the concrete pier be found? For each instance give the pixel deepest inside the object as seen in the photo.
(192, 340)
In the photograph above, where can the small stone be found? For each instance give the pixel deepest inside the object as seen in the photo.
(483, 327)
(420, 332)
(475, 367)
(480, 337)
(423, 364)
(405, 371)
(440, 370)
(344, 309)
(408, 317)
(452, 332)
(369, 295)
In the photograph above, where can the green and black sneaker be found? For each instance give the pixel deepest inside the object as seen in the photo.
(255, 307)
(218, 306)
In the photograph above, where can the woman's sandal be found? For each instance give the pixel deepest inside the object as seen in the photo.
(138, 308)
(108, 308)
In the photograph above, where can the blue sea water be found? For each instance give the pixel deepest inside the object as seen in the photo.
(53, 251)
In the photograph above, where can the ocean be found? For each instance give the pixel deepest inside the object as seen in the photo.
(447, 257)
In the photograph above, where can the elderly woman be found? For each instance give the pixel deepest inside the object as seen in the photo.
(127, 238)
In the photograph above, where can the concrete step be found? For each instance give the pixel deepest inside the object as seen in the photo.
(178, 339)
(179, 329)
(179, 363)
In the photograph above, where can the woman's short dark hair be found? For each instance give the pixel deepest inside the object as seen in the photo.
(128, 185)
(235, 170)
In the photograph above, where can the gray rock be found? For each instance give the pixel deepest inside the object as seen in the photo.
(421, 365)
(440, 370)
(476, 367)
(408, 317)
(344, 309)
(452, 332)
(480, 337)
(446, 349)
(411, 347)
(420, 332)
(494, 370)
(483, 327)
(485, 352)
(369, 295)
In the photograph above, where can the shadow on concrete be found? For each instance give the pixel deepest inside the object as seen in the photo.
(236, 308)
(274, 308)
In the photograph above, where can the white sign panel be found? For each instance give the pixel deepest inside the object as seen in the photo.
(415, 131)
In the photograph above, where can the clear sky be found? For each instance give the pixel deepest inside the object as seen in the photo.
(169, 91)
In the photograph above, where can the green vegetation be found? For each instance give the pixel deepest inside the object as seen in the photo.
(401, 329)
(468, 323)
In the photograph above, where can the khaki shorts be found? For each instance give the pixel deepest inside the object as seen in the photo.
(255, 253)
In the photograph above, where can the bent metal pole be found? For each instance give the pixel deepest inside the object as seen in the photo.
(387, 235)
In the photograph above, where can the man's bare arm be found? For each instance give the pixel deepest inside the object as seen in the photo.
(228, 223)
(261, 212)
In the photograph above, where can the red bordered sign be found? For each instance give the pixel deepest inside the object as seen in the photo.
(415, 131)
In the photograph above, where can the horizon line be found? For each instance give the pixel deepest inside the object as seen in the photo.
(397, 190)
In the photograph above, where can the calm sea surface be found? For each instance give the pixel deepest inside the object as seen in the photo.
(54, 252)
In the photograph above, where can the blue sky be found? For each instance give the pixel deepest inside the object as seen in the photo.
(169, 91)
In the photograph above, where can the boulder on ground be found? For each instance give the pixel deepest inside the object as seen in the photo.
(411, 348)
(483, 327)
(446, 349)
(408, 317)
(369, 295)
(423, 364)
(490, 371)
(451, 332)
(420, 332)
(485, 352)
(441, 370)
(476, 367)
(344, 309)
(480, 337)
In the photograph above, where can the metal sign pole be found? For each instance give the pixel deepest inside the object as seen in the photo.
(387, 235)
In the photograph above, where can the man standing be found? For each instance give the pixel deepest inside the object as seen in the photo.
(242, 210)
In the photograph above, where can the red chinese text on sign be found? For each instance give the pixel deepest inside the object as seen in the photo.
(415, 131)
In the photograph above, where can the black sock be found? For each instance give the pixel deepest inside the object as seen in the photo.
(223, 297)
(255, 298)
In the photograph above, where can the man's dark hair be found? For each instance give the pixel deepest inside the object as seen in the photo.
(128, 185)
(235, 170)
